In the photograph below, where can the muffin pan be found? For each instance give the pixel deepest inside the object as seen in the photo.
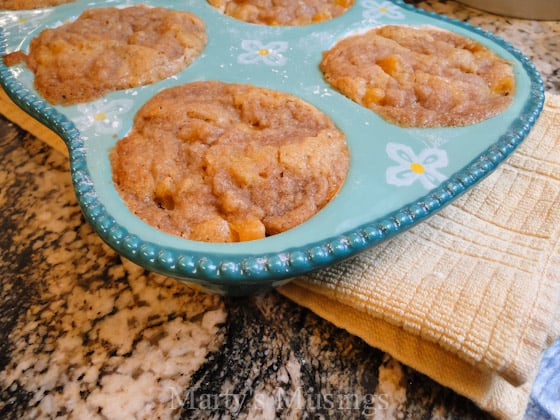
(397, 177)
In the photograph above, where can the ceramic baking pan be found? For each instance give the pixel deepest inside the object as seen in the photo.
(373, 203)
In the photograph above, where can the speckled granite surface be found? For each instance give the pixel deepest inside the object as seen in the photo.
(84, 334)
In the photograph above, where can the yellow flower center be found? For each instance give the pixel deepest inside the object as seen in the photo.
(417, 168)
(383, 9)
(100, 116)
(22, 20)
(263, 51)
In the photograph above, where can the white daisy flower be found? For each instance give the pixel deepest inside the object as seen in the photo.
(381, 9)
(270, 54)
(103, 116)
(423, 167)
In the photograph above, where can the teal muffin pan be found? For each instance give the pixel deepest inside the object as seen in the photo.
(384, 194)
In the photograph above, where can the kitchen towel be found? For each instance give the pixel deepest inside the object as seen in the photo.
(470, 296)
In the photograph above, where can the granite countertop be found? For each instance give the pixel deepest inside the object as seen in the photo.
(85, 334)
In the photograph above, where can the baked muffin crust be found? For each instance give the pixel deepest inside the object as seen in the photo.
(219, 162)
(108, 49)
(282, 12)
(420, 77)
(30, 4)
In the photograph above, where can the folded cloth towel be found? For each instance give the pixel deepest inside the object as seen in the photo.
(470, 296)
(21, 118)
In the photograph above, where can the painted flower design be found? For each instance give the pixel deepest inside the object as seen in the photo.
(410, 167)
(380, 9)
(270, 54)
(103, 116)
(21, 24)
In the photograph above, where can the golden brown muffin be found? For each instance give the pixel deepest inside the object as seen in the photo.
(282, 12)
(110, 49)
(30, 4)
(420, 77)
(219, 162)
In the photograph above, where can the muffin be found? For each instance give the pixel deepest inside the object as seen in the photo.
(282, 12)
(218, 162)
(420, 77)
(109, 49)
(30, 4)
